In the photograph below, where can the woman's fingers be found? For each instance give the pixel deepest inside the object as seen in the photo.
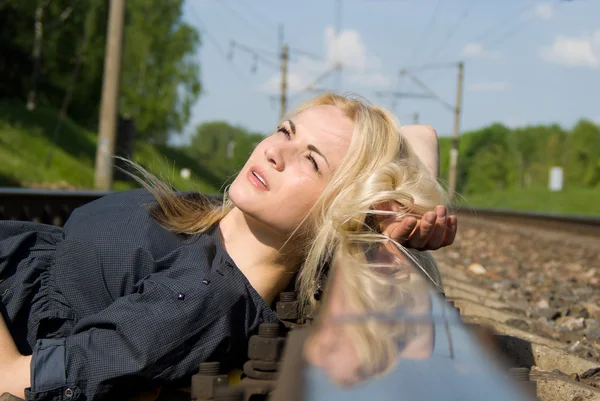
(435, 229)
(400, 231)
(423, 231)
(450, 233)
(435, 241)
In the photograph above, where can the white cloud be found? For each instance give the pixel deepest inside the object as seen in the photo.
(514, 122)
(295, 82)
(371, 79)
(544, 11)
(488, 87)
(477, 50)
(574, 52)
(347, 47)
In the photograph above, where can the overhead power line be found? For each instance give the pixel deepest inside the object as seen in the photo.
(502, 22)
(216, 45)
(261, 17)
(513, 30)
(254, 52)
(440, 49)
(426, 30)
(249, 24)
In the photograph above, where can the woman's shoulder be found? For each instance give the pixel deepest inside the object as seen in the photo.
(124, 201)
(118, 212)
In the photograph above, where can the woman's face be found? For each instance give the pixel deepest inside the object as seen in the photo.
(289, 169)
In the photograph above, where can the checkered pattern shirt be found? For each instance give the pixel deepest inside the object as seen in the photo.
(114, 304)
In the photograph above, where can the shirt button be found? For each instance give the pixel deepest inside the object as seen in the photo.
(69, 393)
(181, 296)
(206, 281)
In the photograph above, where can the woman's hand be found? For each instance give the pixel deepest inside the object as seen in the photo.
(14, 375)
(432, 231)
(14, 367)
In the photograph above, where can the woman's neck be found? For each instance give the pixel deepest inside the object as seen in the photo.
(256, 250)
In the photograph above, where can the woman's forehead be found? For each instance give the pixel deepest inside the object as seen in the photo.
(327, 128)
(325, 119)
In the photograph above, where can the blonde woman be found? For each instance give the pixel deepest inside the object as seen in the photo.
(141, 286)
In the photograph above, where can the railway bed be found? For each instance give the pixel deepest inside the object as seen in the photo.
(533, 279)
(538, 290)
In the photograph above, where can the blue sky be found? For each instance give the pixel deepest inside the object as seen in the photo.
(526, 62)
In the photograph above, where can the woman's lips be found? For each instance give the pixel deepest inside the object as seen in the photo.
(258, 179)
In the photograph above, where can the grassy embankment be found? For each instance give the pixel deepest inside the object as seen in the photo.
(26, 139)
(569, 201)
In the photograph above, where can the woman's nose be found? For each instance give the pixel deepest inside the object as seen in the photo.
(275, 156)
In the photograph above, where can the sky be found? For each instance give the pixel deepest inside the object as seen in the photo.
(525, 62)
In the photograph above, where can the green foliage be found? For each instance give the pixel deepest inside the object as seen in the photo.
(159, 74)
(224, 146)
(570, 200)
(483, 160)
(160, 78)
(26, 140)
(584, 155)
(497, 159)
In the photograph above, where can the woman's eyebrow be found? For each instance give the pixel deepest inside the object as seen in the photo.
(292, 126)
(312, 148)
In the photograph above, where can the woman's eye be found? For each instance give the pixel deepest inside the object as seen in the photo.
(285, 131)
(314, 163)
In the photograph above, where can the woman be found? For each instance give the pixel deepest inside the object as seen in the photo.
(141, 286)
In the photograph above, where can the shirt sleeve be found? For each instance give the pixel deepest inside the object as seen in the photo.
(154, 335)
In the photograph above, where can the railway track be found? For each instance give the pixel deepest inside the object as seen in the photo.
(578, 224)
(551, 360)
(529, 280)
(47, 205)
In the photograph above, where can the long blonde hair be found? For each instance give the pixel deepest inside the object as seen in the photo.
(379, 166)
(377, 289)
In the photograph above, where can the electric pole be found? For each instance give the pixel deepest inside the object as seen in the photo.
(452, 172)
(110, 96)
(283, 53)
(456, 110)
(37, 52)
(284, 67)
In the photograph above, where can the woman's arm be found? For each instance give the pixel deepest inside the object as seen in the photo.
(14, 367)
(148, 338)
(435, 229)
(423, 139)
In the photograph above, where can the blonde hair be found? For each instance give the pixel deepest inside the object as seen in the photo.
(379, 166)
(377, 297)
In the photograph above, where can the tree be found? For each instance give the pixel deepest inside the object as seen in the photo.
(475, 148)
(584, 155)
(160, 80)
(224, 146)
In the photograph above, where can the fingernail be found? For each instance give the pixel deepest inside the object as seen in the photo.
(440, 211)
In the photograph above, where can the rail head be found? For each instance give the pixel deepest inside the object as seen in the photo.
(12, 200)
(592, 220)
(57, 193)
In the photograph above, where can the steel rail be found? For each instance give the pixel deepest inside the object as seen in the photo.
(54, 206)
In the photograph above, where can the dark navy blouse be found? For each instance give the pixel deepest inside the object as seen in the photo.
(114, 303)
